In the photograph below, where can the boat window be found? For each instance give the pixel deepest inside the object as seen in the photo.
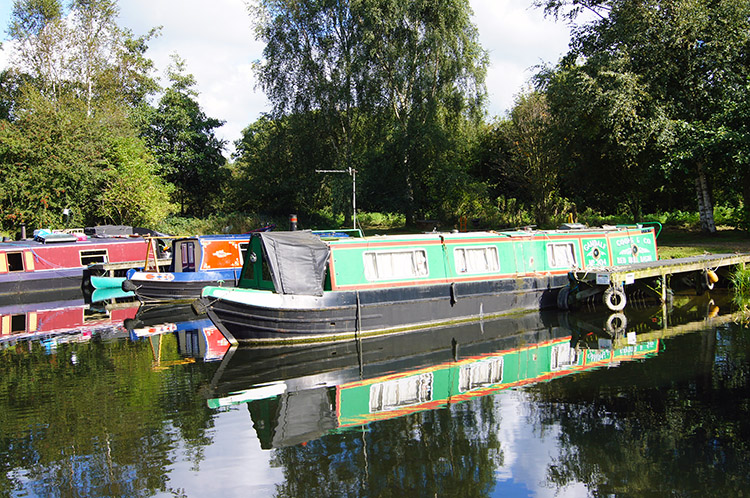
(561, 255)
(480, 373)
(15, 261)
(243, 251)
(93, 256)
(389, 265)
(187, 256)
(563, 356)
(17, 324)
(399, 393)
(471, 260)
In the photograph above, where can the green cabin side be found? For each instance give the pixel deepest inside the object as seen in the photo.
(360, 263)
(396, 395)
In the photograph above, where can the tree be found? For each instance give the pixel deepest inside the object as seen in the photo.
(68, 136)
(534, 157)
(182, 137)
(54, 158)
(416, 68)
(86, 53)
(687, 58)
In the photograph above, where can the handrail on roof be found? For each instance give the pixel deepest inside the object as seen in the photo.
(656, 224)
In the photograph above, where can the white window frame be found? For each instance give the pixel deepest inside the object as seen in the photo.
(401, 392)
(563, 357)
(379, 265)
(555, 250)
(468, 265)
(482, 373)
(93, 256)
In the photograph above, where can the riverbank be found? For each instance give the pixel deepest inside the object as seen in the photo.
(679, 243)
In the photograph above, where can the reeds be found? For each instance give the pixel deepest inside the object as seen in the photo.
(739, 281)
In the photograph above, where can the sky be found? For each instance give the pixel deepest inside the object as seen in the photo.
(217, 42)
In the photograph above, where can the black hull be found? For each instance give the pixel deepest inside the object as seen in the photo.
(43, 282)
(155, 291)
(345, 315)
(329, 364)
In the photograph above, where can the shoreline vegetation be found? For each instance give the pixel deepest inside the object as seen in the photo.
(680, 235)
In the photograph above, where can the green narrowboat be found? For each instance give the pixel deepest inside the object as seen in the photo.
(301, 287)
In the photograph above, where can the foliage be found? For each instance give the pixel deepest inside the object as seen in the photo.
(215, 223)
(638, 93)
(410, 74)
(182, 138)
(59, 157)
(739, 280)
(132, 193)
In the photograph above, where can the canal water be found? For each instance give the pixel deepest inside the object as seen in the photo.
(110, 400)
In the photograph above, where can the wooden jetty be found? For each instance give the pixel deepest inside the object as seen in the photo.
(651, 276)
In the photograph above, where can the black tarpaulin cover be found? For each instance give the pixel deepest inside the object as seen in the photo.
(297, 261)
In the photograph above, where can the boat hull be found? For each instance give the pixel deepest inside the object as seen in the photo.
(274, 318)
(170, 286)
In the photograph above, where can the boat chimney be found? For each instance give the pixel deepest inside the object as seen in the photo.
(292, 222)
(23, 231)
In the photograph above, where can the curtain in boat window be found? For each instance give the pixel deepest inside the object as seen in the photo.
(402, 392)
(476, 259)
(561, 255)
(391, 265)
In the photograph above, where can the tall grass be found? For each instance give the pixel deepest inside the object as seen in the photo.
(739, 280)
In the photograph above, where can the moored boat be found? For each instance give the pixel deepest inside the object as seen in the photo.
(296, 286)
(57, 260)
(197, 261)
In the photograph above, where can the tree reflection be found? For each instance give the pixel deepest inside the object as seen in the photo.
(675, 425)
(452, 451)
(95, 419)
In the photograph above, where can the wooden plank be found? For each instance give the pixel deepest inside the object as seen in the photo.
(661, 268)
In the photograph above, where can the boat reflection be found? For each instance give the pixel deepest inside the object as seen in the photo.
(63, 317)
(69, 317)
(197, 337)
(300, 393)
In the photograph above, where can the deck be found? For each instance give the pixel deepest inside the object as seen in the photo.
(615, 278)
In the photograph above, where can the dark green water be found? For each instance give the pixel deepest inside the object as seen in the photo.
(538, 405)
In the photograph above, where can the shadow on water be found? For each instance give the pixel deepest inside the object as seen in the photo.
(654, 400)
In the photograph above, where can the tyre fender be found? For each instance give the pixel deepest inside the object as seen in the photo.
(614, 298)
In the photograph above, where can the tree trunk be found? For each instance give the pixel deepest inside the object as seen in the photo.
(705, 204)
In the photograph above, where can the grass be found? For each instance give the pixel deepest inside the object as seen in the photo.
(679, 243)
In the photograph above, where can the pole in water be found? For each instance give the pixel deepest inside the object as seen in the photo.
(292, 222)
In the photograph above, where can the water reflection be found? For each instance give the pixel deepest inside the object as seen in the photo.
(153, 400)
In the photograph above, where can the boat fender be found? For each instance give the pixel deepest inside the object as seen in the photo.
(454, 295)
(616, 324)
(614, 298)
(711, 279)
(129, 286)
(199, 307)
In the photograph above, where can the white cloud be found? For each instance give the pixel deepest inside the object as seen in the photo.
(518, 38)
(217, 43)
